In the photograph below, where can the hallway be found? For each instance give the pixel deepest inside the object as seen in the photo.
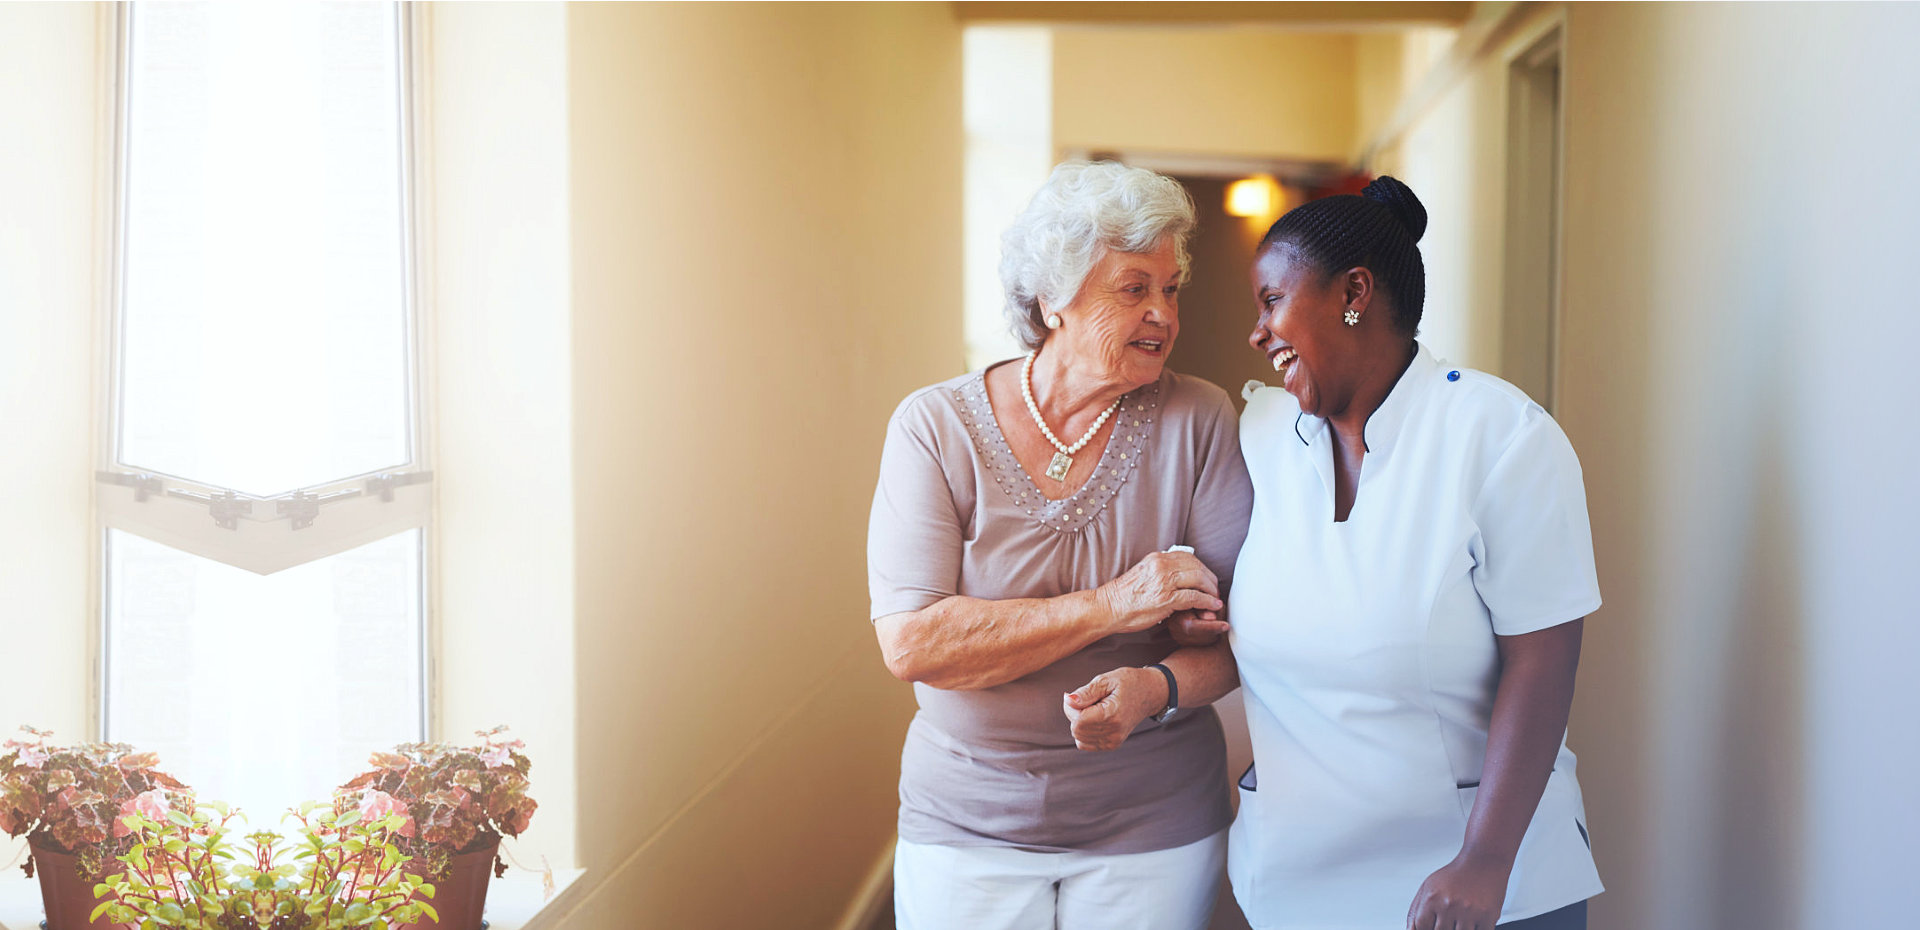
(686, 258)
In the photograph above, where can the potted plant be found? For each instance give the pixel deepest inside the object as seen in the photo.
(457, 802)
(343, 871)
(67, 801)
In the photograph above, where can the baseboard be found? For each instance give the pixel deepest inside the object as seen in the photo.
(874, 899)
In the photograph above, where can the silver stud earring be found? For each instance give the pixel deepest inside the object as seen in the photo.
(1054, 321)
(1352, 317)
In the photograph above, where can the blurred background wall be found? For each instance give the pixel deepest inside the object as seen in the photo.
(766, 259)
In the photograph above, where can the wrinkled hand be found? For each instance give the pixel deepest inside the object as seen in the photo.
(1163, 584)
(1461, 896)
(1197, 627)
(1105, 710)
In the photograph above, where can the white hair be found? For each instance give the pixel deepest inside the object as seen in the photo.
(1082, 209)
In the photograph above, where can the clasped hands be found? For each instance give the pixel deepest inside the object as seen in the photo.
(1173, 588)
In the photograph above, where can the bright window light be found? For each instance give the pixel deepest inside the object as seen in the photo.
(264, 691)
(264, 341)
(264, 301)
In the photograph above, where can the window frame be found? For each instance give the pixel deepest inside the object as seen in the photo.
(176, 511)
(248, 530)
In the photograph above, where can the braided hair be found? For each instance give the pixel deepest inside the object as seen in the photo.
(1376, 230)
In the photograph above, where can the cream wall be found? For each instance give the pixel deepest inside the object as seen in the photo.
(1735, 372)
(1454, 158)
(766, 259)
(1250, 93)
(52, 108)
(499, 270)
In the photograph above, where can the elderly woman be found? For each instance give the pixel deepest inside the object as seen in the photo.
(1039, 522)
(1408, 615)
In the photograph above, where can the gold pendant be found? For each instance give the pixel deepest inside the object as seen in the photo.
(1057, 469)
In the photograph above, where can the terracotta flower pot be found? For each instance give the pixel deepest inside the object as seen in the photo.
(66, 897)
(460, 899)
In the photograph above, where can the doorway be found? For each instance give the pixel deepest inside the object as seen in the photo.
(1529, 343)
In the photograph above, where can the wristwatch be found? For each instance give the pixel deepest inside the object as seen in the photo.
(1173, 694)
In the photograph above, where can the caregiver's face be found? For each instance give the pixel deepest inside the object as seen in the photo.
(1299, 329)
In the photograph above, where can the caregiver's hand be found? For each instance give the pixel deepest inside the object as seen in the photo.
(1463, 895)
(1105, 710)
(1197, 627)
(1162, 584)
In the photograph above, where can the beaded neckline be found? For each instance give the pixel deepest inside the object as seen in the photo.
(1133, 422)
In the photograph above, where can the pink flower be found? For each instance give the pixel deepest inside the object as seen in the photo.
(31, 756)
(151, 804)
(376, 804)
(496, 756)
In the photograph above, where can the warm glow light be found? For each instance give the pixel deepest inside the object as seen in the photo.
(1253, 197)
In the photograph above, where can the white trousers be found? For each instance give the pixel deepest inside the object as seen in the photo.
(996, 888)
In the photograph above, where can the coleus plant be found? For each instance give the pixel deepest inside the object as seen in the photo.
(75, 795)
(342, 870)
(454, 799)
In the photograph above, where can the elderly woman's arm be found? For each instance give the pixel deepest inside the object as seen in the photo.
(964, 643)
(1105, 710)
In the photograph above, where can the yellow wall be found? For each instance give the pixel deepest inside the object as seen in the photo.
(1736, 373)
(1243, 93)
(52, 119)
(766, 258)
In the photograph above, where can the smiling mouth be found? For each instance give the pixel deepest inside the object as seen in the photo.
(1283, 358)
(1150, 345)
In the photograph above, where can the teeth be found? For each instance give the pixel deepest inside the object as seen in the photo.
(1283, 359)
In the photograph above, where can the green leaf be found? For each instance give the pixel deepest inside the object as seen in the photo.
(426, 888)
(428, 910)
(179, 818)
(102, 909)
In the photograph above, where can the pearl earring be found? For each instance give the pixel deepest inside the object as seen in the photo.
(1054, 321)
(1352, 317)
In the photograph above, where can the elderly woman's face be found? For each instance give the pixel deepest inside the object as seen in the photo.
(1122, 324)
(1299, 329)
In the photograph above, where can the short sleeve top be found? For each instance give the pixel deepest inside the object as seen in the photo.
(955, 514)
(1367, 647)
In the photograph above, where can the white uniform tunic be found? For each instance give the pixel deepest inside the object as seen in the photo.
(1367, 651)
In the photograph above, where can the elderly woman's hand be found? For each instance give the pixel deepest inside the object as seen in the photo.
(1105, 710)
(1164, 583)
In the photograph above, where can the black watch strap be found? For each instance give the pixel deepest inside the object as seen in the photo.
(1173, 692)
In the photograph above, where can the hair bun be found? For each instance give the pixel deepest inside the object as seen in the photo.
(1395, 195)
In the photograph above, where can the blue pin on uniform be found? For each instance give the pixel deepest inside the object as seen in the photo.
(1453, 376)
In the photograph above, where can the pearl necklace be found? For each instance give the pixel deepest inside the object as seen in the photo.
(1063, 457)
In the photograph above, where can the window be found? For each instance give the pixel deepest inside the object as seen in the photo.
(265, 506)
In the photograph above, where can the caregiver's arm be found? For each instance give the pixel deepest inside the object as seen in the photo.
(1530, 709)
(966, 643)
(1105, 710)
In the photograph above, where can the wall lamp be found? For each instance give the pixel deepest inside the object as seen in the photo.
(1258, 196)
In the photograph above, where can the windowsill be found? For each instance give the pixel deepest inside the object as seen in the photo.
(513, 903)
